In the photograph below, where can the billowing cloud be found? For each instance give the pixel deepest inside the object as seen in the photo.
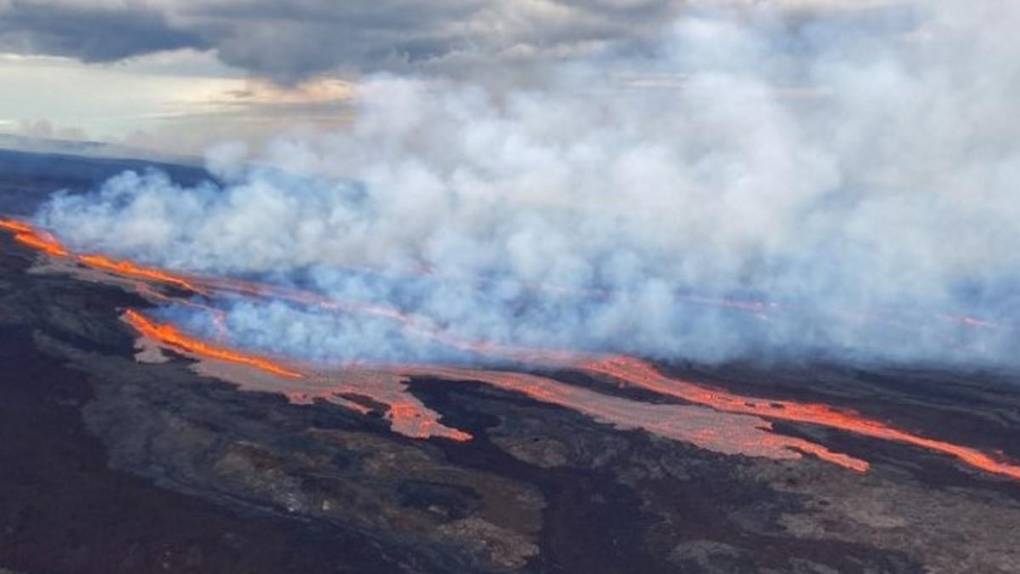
(850, 192)
(290, 41)
(90, 32)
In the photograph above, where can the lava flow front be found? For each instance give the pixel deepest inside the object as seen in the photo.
(713, 419)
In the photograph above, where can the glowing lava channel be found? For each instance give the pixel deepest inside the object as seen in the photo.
(26, 234)
(29, 236)
(128, 269)
(172, 336)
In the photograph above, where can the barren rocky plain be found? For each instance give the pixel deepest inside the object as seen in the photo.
(109, 464)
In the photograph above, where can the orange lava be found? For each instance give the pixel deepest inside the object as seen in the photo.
(411, 420)
(172, 336)
(128, 269)
(363, 389)
(641, 374)
(43, 243)
(840, 459)
(29, 236)
(16, 226)
(725, 433)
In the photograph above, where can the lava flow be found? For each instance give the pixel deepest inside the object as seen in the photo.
(749, 433)
(641, 374)
(386, 386)
(173, 337)
(351, 388)
(722, 432)
(128, 269)
(28, 235)
(38, 240)
(365, 389)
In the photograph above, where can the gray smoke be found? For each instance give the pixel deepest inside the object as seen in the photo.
(857, 173)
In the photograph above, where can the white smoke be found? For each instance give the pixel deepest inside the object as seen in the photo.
(857, 170)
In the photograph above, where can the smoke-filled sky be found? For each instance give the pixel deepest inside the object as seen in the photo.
(698, 181)
(179, 75)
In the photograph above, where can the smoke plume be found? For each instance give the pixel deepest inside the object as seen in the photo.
(757, 185)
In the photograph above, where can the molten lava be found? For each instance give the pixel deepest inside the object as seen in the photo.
(173, 337)
(29, 236)
(15, 226)
(720, 432)
(409, 419)
(641, 374)
(128, 269)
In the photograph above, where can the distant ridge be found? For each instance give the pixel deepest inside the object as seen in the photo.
(91, 148)
(28, 178)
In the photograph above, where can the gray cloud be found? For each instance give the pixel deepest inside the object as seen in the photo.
(90, 33)
(292, 40)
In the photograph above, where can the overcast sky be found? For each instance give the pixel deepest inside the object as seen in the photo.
(179, 74)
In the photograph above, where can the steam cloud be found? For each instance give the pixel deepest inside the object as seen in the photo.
(857, 172)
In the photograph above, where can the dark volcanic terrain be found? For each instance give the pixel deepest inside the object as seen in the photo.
(109, 465)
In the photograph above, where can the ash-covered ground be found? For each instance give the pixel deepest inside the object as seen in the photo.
(111, 465)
